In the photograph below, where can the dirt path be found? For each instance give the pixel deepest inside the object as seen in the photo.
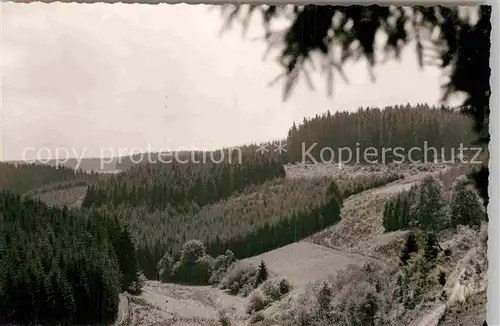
(123, 311)
(173, 304)
(457, 293)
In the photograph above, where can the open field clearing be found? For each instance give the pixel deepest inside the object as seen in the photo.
(72, 197)
(173, 304)
(303, 262)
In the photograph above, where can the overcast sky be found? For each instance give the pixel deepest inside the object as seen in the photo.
(92, 77)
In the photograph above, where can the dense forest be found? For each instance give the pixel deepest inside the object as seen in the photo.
(248, 222)
(181, 186)
(59, 266)
(22, 178)
(403, 126)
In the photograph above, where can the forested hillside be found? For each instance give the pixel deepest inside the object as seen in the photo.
(398, 126)
(258, 219)
(22, 178)
(59, 266)
(248, 152)
(181, 186)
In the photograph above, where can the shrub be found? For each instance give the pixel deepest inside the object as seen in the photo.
(274, 289)
(271, 290)
(257, 302)
(137, 285)
(285, 286)
(239, 279)
(203, 269)
(246, 289)
(193, 266)
(224, 319)
(165, 267)
(220, 266)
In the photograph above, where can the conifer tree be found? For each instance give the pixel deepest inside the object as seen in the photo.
(334, 191)
(405, 214)
(430, 210)
(410, 247)
(385, 217)
(431, 247)
(390, 217)
(466, 208)
(396, 216)
(261, 274)
(127, 260)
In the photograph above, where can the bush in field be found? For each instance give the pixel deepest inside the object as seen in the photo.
(285, 286)
(275, 289)
(193, 266)
(257, 302)
(270, 291)
(224, 319)
(165, 267)
(239, 279)
(220, 266)
(137, 285)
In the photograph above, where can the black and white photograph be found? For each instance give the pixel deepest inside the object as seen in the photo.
(244, 164)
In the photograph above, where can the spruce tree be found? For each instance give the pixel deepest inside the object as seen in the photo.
(126, 259)
(410, 247)
(334, 191)
(261, 274)
(390, 217)
(466, 208)
(396, 215)
(405, 214)
(385, 217)
(431, 247)
(430, 209)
